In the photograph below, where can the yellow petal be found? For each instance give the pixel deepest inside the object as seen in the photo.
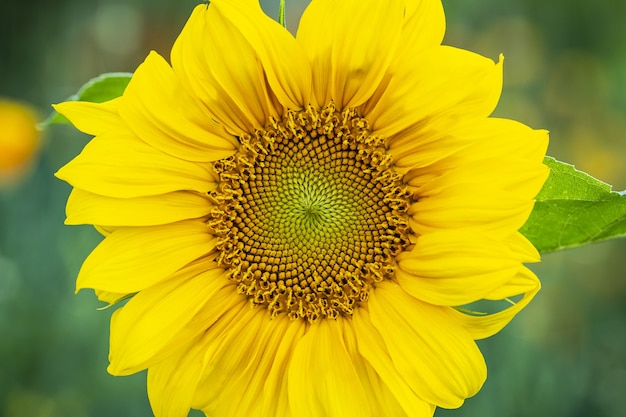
(134, 258)
(481, 142)
(92, 118)
(518, 176)
(423, 148)
(322, 379)
(493, 138)
(224, 324)
(455, 267)
(440, 82)
(491, 194)
(483, 326)
(159, 117)
(193, 70)
(105, 230)
(212, 326)
(371, 346)
(246, 364)
(524, 281)
(350, 44)
(118, 164)
(276, 389)
(109, 297)
(172, 382)
(424, 27)
(284, 63)
(435, 356)
(520, 245)
(235, 92)
(84, 207)
(498, 214)
(142, 330)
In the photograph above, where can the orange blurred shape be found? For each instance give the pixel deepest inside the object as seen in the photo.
(19, 139)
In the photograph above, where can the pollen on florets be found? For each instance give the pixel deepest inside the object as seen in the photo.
(310, 214)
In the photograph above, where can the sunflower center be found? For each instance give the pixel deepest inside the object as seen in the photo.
(310, 214)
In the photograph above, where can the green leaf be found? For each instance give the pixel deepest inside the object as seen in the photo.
(103, 88)
(574, 209)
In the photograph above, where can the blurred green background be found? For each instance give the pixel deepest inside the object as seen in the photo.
(565, 70)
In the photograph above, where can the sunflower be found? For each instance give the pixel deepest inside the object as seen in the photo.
(298, 224)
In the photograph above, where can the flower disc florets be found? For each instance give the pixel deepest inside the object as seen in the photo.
(310, 214)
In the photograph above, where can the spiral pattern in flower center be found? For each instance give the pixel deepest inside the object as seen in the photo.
(310, 214)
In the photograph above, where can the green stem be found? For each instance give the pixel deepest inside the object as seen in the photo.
(281, 13)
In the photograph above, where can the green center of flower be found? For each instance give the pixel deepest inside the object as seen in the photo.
(310, 214)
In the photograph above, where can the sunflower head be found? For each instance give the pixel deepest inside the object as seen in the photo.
(310, 214)
(296, 222)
